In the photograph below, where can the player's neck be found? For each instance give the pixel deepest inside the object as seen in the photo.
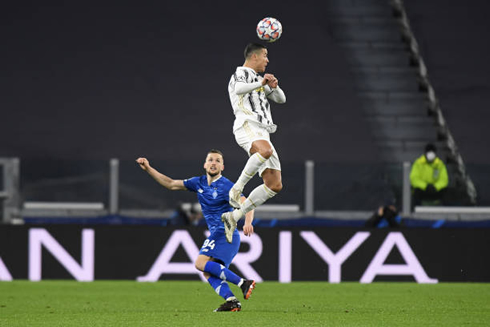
(212, 178)
(249, 65)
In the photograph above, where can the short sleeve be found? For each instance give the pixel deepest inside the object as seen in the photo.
(191, 184)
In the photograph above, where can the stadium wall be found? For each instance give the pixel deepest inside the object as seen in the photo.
(151, 79)
(150, 254)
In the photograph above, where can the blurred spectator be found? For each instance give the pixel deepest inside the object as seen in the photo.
(187, 214)
(195, 215)
(385, 216)
(428, 178)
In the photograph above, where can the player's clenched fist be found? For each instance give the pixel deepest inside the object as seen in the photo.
(144, 163)
(273, 83)
(267, 79)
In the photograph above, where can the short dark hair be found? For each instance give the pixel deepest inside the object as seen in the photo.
(430, 147)
(218, 152)
(251, 48)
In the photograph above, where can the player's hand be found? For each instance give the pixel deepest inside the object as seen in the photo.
(273, 83)
(267, 79)
(271, 80)
(144, 163)
(248, 229)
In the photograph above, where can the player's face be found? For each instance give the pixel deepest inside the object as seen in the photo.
(214, 164)
(262, 60)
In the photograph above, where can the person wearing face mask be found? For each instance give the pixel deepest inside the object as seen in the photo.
(428, 178)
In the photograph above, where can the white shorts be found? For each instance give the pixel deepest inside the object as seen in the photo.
(250, 132)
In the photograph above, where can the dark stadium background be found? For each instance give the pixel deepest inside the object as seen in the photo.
(83, 82)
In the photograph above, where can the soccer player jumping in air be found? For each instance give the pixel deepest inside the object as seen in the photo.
(216, 253)
(249, 93)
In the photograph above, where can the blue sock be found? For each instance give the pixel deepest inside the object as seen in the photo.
(220, 287)
(221, 272)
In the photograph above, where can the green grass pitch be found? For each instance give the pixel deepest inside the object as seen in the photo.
(179, 303)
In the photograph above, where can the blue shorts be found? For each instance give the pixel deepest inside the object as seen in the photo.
(217, 247)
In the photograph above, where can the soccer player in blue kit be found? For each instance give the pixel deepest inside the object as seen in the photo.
(216, 253)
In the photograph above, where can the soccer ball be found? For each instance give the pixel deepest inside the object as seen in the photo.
(269, 29)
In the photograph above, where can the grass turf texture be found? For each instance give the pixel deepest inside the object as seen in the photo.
(174, 303)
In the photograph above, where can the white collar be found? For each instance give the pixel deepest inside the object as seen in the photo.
(215, 179)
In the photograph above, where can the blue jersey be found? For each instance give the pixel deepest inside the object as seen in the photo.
(214, 199)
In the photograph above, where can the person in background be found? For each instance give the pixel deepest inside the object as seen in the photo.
(187, 214)
(429, 178)
(384, 216)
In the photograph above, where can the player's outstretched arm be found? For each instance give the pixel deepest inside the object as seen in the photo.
(248, 228)
(165, 181)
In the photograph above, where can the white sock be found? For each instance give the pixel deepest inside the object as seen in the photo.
(237, 214)
(258, 196)
(251, 168)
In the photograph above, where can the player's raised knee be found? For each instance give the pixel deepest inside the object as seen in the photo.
(266, 152)
(276, 187)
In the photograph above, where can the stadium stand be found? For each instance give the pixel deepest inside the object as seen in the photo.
(451, 38)
(150, 91)
(127, 84)
(392, 79)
